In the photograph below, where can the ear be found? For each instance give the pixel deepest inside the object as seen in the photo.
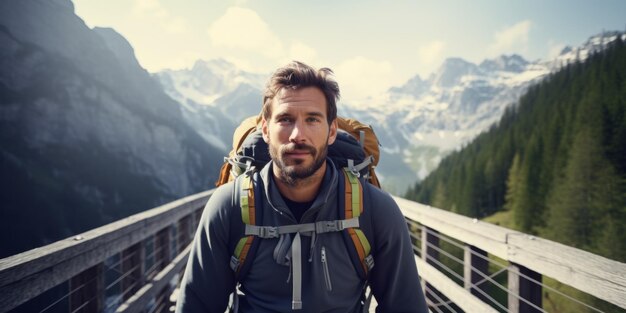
(332, 134)
(265, 131)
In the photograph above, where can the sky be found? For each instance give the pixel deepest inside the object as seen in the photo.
(370, 45)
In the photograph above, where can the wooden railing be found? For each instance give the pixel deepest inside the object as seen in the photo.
(151, 248)
(148, 252)
(529, 259)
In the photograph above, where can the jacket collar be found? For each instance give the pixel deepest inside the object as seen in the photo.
(328, 190)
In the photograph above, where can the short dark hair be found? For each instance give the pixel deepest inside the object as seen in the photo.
(299, 75)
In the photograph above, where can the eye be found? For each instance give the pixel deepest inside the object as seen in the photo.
(283, 119)
(313, 119)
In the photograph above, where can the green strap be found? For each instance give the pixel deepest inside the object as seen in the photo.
(356, 195)
(366, 244)
(357, 207)
(245, 210)
(244, 199)
(239, 246)
(244, 204)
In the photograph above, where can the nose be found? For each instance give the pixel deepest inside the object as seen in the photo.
(296, 135)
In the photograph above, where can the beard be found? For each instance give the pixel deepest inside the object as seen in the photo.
(292, 174)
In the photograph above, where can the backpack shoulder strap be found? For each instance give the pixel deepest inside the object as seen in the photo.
(351, 206)
(246, 191)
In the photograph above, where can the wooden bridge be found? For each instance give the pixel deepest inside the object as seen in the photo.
(135, 264)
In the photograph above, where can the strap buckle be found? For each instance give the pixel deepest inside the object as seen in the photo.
(234, 263)
(268, 232)
(329, 226)
(369, 262)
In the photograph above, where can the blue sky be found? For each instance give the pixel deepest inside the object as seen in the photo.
(371, 45)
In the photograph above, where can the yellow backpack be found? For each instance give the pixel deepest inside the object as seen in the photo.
(243, 156)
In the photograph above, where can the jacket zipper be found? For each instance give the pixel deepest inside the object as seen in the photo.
(329, 286)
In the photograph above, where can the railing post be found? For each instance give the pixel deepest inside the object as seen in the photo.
(185, 231)
(476, 268)
(197, 216)
(521, 287)
(163, 254)
(132, 268)
(87, 290)
(430, 240)
(184, 225)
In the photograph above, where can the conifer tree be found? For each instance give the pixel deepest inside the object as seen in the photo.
(513, 185)
(439, 197)
(586, 195)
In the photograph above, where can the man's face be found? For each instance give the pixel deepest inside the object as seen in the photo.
(298, 133)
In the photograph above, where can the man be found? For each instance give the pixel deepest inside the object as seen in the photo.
(300, 185)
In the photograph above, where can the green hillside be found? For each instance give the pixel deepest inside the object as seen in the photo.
(556, 161)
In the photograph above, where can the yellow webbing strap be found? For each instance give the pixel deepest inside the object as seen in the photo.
(354, 199)
(247, 201)
(248, 216)
(356, 192)
(364, 241)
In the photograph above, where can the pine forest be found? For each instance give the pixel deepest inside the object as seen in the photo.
(554, 165)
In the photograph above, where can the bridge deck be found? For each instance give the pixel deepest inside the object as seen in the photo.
(149, 250)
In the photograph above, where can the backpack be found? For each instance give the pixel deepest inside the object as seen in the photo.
(355, 161)
(249, 150)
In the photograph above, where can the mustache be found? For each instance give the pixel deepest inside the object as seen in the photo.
(298, 146)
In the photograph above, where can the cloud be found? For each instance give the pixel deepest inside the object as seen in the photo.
(301, 52)
(360, 77)
(151, 8)
(513, 39)
(242, 28)
(152, 12)
(184, 59)
(430, 56)
(176, 25)
(554, 49)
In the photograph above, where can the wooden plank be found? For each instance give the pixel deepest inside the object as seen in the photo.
(486, 236)
(593, 274)
(39, 258)
(140, 299)
(28, 274)
(453, 291)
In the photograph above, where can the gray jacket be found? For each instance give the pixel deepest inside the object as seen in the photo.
(330, 286)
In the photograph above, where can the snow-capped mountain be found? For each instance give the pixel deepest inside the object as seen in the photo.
(417, 123)
(423, 120)
(207, 81)
(593, 45)
(215, 97)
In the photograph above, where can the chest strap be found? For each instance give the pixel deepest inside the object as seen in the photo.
(353, 207)
(304, 229)
(296, 246)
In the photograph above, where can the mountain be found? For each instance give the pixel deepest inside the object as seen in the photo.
(424, 120)
(418, 123)
(555, 163)
(215, 97)
(87, 135)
